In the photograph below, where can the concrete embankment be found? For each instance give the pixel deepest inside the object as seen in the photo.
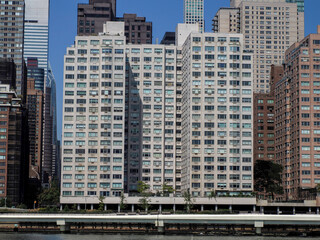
(242, 224)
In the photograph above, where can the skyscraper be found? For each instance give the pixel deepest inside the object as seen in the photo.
(35, 97)
(194, 13)
(36, 32)
(269, 27)
(36, 73)
(50, 130)
(11, 37)
(297, 108)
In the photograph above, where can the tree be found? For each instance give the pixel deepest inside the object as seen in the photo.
(267, 175)
(101, 203)
(144, 190)
(188, 201)
(123, 204)
(5, 202)
(50, 196)
(212, 194)
(167, 190)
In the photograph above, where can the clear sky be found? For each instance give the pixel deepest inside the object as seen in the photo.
(164, 14)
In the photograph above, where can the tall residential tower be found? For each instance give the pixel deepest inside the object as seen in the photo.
(269, 28)
(297, 119)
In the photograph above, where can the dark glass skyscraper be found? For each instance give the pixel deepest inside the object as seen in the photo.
(36, 73)
(11, 37)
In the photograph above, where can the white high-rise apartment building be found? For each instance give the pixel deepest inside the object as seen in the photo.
(36, 32)
(94, 116)
(175, 115)
(194, 13)
(269, 28)
(217, 117)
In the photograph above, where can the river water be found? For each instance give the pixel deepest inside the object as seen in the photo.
(23, 236)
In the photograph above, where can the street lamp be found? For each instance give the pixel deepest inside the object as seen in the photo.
(5, 202)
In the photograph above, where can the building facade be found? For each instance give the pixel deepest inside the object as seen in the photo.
(297, 122)
(217, 112)
(50, 158)
(14, 146)
(193, 12)
(11, 37)
(7, 72)
(35, 104)
(92, 16)
(264, 119)
(36, 32)
(137, 30)
(36, 73)
(169, 38)
(269, 28)
(93, 141)
(133, 113)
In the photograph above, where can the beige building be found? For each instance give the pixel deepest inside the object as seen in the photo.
(269, 28)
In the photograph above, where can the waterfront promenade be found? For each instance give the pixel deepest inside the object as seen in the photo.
(162, 224)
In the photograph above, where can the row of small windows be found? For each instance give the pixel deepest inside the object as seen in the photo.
(135, 75)
(307, 172)
(93, 126)
(89, 185)
(94, 93)
(94, 84)
(220, 142)
(120, 59)
(222, 65)
(219, 39)
(119, 67)
(92, 118)
(93, 151)
(93, 168)
(307, 99)
(221, 125)
(118, 51)
(222, 176)
(222, 185)
(222, 74)
(221, 151)
(220, 57)
(94, 193)
(222, 159)
(93, 143)
(219, 48)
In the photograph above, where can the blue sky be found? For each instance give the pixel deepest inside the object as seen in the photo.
(164, 14)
